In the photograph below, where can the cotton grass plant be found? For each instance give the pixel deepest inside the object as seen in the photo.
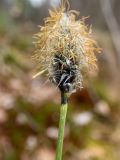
(64, 49)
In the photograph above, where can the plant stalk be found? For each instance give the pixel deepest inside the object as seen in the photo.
(63, 112)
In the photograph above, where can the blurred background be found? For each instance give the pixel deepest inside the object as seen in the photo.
(29, 108)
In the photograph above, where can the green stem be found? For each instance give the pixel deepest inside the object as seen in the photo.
(63, 112)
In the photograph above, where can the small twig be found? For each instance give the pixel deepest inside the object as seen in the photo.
(39, 73)
(112, 24)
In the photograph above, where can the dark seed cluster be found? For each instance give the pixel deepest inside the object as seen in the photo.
(64, 72)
